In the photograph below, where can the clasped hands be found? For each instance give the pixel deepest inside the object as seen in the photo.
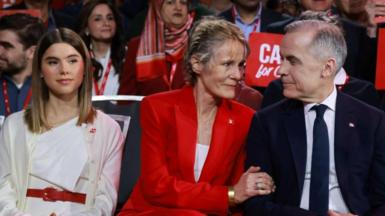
(253, 183)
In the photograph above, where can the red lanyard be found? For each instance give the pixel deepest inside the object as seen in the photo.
(169, 79)
(6, 98)
(100, 91)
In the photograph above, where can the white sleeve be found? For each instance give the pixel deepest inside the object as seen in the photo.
(8, 196)
(108, 182)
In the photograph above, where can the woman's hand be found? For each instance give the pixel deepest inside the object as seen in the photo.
(253, 183)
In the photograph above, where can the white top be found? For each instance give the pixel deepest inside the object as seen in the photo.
(200, 158)
(112, 85)
(59, 161)
(336, 202)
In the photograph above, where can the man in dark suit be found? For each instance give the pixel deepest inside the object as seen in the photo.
(251, 16)
(324, 149)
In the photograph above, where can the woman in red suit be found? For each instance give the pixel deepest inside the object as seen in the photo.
(193, 138)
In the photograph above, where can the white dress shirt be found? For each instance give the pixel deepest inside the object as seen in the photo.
(336, 201)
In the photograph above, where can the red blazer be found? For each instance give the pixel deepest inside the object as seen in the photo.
(129, 85)
(169, 134)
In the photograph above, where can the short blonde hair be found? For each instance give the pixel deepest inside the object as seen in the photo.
(205, 35)
(35, 115)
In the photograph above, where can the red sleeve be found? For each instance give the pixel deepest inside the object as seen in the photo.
(158, 186)
(239, 167)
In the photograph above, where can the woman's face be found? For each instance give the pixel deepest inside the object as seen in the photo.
(174, 13)
(62, 68)
(221, 74)
(101, 23)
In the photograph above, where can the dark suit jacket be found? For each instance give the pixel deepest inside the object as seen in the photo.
(267, 17)
(360, 89)
(277, 143)
(361, 56)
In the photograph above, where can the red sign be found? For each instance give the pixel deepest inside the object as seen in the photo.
(32, 12)
(380, 69)
(264, 59)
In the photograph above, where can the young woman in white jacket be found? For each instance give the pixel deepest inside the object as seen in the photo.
(60, 156)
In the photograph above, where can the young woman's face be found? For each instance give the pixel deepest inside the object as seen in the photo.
(101, 23)
(62, 68)
(174, 13)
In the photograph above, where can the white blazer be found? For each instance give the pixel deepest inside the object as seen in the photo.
(104, 145)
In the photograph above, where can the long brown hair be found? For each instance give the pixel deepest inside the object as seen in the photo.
(118, 48)
(35, 115)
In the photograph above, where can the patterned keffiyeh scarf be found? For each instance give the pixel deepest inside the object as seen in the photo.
(159, 44)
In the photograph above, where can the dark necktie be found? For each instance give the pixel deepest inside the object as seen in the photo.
(319, 182)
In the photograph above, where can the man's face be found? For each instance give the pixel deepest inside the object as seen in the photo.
(13, 57)
(317, 5)
(301, 72)
(247, 4)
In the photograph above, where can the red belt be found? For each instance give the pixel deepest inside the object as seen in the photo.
(52, 195)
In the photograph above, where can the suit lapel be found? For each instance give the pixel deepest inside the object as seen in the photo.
(294, 121)
(345, 126)
(186, 136)
(221, 137)
(186, 133)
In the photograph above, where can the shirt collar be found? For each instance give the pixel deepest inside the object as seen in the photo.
(330, 101)
(10, 80)
(340, 78)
